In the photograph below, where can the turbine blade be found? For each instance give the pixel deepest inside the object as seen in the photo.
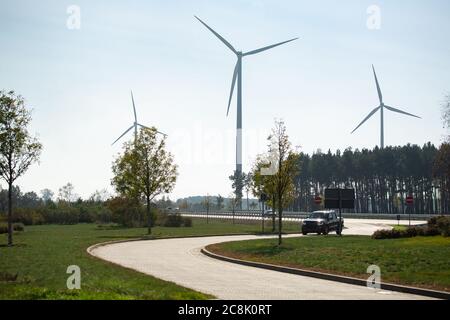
(267, 48)
(218, 36)
(400, 111)
(151, 129)
(380, 96)
(128, 130)
(367, 118)
(233, 83)
(134, 107)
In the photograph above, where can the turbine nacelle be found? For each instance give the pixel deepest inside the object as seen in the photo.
(237, 69)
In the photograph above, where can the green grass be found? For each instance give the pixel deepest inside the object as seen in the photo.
(420, 261)
(41, 255)
(399, 227)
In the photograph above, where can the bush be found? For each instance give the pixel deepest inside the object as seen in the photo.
(129, 213)
(18, 227)
(173, 221)
(442, 224)
(3, 228)
(435, 226)
(187, 222)
(27, 216)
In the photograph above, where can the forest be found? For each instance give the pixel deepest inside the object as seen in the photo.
(382, 178)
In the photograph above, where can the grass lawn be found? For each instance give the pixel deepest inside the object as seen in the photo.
(399, 227)
(421, 261)
(42, 254)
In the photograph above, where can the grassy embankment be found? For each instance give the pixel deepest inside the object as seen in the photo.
(421, 261)
(41, 255)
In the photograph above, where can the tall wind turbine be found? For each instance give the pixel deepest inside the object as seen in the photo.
(381, 108)
(237, 76)
(135, 124)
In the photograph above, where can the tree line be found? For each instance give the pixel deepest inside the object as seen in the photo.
(382, 178)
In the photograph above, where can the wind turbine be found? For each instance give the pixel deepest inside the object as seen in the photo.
(237, 76)
(135, 124)
(381, 108)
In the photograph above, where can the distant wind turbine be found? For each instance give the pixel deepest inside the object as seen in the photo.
(381, 108)
(237, 76)
(135, 124)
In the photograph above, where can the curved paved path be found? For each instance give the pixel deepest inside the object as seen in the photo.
(180, 261)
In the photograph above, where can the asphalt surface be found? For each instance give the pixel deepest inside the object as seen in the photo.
(180, 261)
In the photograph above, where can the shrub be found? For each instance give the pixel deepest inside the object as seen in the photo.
(435, 226)
(173, 221)
(187, 222)
(126, 212)
(443, 224)
(431, 231)
(27, 216)
(18, 227)
(3, 228)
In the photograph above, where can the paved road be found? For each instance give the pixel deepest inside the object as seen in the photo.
(238, 217)
(180, 261)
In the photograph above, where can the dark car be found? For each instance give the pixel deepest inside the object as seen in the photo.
(322, 222)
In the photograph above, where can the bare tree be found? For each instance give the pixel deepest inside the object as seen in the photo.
(67, 194)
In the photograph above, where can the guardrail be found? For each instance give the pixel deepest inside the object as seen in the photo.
(250, 215)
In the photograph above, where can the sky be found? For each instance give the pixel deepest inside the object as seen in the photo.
(77, 81)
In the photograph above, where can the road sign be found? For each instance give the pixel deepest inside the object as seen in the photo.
(409, 200)
(318, 200)
(339, 198)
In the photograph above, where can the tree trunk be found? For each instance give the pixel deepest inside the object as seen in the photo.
(273, 213)
(10, 227)
(280, 226)
(149, 217)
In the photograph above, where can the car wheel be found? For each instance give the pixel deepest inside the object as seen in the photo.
(319, 233)
(305, 233)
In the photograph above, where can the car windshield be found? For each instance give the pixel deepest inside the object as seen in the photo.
(317, 215)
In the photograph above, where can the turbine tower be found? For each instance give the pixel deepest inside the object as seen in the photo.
(135, 124)
(381, 108)
(237, 76)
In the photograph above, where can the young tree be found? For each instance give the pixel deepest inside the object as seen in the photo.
(47, 195)
(67, 194)
(247, 182)
(446, 113)
(219, 202)
(287, 170)
(233, 202)
(237, 182)
(262, 183)
(206, 202)
(18, 149)
(145, 169)
(100, 196)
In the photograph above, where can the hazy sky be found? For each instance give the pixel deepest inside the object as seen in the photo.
(78, 81)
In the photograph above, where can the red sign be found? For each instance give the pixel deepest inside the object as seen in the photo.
(409, 200)
(318, 200)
